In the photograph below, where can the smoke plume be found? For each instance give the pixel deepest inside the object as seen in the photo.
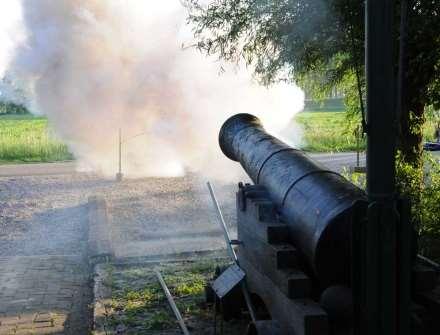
(95, 66)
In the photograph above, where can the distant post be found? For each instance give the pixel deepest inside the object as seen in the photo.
(119, 175)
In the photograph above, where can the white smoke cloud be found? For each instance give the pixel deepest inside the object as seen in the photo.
(11, 35)
(95, 66)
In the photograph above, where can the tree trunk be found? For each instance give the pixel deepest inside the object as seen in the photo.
(411, 135)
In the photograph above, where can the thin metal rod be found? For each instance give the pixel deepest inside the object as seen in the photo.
(403, 64)
(215, 314)
(120, 151)
(221, 320)
(232, 253)
(358, 134)
(172, 303)
(134, 136)
(429, 261)
(248, 301)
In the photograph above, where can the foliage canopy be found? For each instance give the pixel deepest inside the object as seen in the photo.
(320, 45)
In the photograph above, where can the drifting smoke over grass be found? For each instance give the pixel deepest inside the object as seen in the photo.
(96, 66)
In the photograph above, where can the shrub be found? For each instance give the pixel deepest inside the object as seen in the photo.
(422, 187)
(11, 108)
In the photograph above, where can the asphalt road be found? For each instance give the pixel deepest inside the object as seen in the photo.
(334, 161)
(37, 169)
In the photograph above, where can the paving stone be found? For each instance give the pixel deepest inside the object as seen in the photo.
(46, 324)
(7, 330)
(25, 332)
(43, 317)
(9, 320)
(52, 298)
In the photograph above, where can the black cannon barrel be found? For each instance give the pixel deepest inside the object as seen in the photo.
(314, 202)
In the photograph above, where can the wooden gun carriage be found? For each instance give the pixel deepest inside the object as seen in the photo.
(297, 229)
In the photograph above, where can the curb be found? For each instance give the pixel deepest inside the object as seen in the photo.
(101, 300)
(99, 239)
(100, 253)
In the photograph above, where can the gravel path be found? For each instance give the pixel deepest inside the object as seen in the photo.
(46, 214)
(161, 216)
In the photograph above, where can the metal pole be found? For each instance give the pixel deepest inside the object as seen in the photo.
(380, 280)
(172, 303)
(403, 64)
(358, 134)
(120, 151)
(381, 116)
(119, 174)
(232, 253)
(222, 222)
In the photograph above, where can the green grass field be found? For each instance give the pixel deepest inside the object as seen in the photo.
(327, 132)
(26, 138)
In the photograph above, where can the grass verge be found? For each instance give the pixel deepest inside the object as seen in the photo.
(332, 131)
(139, 306)
(27, 138)
(328, 132)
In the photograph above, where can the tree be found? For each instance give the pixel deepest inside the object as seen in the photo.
(321, 44)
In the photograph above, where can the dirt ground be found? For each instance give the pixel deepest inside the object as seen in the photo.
(44, 214)
(138, 305)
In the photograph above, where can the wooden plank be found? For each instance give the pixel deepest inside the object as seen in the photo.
(264, 257)
(281, 255)
(430, 319)
(258, 205)
(264, 327)
(292, 282)
(270, 232)
(250, 192)
(296, 317)
(264, 210)
(425, 278)
(430, 300)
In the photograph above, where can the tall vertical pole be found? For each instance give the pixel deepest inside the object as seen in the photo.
(358, 135)
(119, 174)
(120, 151)
(381, 117)
(380, 279)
